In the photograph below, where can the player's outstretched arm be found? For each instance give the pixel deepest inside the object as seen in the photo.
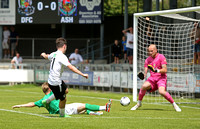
(164, 69)
(44, 55)
(145, 72)
(31, 104)
(74, 69)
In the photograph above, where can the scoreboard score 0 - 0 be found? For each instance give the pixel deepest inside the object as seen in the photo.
(59, 11)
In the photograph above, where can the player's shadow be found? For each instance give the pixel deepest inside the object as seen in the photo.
(51, 116)
(124, 110)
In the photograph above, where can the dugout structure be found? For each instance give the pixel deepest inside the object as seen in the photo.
(174, 37)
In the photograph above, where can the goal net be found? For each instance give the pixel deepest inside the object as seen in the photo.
(174, 36)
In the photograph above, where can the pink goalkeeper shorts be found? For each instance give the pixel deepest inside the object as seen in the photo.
(157, 82)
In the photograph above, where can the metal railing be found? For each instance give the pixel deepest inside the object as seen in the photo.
(93, 53)
(31, 48)
(89, 48)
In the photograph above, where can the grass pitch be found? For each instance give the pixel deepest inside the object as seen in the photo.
(149, 116)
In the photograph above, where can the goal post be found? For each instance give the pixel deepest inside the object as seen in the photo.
(175, 41)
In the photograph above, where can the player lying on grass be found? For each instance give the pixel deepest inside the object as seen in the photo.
(70, 109)
(157, 65)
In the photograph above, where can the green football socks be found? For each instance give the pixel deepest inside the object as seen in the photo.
(92, 107)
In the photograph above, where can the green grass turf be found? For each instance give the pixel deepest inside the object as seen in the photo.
(149, 116)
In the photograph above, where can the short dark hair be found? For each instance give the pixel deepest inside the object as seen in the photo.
(45, 87)
(60, 42)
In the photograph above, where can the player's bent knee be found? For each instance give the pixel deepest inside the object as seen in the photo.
(162, 92)
(146, 86)
(66, 91)
(63, 98)
(82, 106)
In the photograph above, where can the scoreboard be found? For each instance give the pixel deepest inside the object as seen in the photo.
(59, 11)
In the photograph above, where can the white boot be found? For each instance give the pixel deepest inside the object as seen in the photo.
(176, 107)
(139, 104)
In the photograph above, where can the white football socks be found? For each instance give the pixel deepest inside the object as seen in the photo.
(102, 108)
(62, 111)
(139, 102)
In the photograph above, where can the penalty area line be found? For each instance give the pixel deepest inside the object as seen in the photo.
(100, 117)
(170, 105)
(148, 118)
(27, 113)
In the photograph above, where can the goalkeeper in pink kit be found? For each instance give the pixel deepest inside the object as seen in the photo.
(157, 81)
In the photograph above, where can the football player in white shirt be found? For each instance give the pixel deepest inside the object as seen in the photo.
(58, 60)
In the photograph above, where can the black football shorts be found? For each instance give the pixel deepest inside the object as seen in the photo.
(59, 91)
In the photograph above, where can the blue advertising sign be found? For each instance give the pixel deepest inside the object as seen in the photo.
(74, 79)
(89, 81)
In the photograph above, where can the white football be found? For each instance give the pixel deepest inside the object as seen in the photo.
(125, 101)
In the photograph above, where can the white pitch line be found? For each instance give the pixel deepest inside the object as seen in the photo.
(27, 113)
(21, 91)
(190, 107)
(170, 105)
(100, 117)
(95, 98)
(155, 118)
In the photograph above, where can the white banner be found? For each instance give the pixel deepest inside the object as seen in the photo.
(124, 79)
(16, 75)
(180, 82)
(130, 79)
(7, 12)
(101, 79)
(176, 82)
(116, 79)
